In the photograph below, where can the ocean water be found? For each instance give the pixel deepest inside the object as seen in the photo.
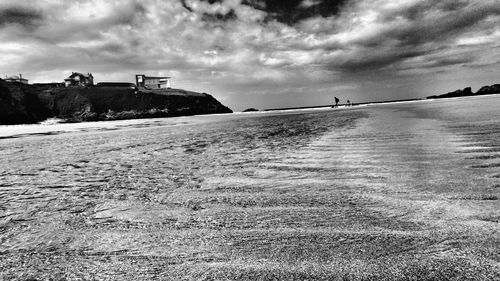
(388, 191)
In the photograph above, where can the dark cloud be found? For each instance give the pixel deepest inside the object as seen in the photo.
(425, 28)
(455, 20)
(212, 1)
(219, 17)
(427, 22)
(293, 11)
(186, 6)
(27, 17)
(452, 61)
(287, 11)
(374, 61)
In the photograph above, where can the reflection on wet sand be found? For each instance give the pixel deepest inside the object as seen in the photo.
(392, 192)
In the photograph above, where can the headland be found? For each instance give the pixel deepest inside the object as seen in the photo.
(22, 103)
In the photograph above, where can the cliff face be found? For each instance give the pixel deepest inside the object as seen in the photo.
(488, 90)
(458, 93)
(20, 104)
(110, 103)
(31, 104)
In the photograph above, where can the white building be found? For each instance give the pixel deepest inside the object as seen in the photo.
(151, 82)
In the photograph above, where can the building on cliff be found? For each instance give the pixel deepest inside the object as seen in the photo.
(151, 82)
(15, 78)
(77, 79)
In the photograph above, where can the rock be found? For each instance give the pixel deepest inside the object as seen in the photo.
(458, 93)
(488, 90)
(20, 104)
(467, 91)
(250, 109)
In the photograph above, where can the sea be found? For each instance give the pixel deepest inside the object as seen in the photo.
(396, 191)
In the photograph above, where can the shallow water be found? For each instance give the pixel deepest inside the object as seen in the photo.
(392, 191)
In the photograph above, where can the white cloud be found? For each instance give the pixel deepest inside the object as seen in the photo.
(247, 50)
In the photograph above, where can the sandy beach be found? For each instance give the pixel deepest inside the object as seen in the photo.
(406, 191)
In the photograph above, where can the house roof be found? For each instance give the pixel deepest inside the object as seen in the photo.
(74, 74)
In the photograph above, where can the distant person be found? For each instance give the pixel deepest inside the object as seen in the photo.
(348, 103)
(336, 102)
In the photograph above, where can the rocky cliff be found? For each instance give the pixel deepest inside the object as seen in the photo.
(20, 104)
(458, 93)
(30, 104)
(486, 90)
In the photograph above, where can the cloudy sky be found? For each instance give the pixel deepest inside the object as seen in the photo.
(260, 53)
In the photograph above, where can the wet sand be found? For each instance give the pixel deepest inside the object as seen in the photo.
(405, 191)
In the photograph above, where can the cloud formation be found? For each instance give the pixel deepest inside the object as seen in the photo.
(19, 15)
(260, 53)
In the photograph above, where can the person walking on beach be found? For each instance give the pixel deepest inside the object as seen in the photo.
(336, 102)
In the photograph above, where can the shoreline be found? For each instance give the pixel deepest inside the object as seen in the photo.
(375, 102)
(39, 129)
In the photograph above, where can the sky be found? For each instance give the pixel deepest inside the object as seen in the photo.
(260, 53)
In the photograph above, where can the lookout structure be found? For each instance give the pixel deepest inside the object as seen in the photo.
(152, 82)
(16, 78)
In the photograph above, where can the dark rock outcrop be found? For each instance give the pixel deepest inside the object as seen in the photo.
(30, 104)
(250, 109)
(488, 90)
(458, 93)
(19, 103)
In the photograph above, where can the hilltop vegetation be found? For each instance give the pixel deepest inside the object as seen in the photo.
(21, 103)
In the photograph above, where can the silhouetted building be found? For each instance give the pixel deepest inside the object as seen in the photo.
(151, 82)
(77, 79)
(15, 78)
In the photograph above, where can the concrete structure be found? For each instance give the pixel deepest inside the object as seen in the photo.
(79, 80)
(151, 82)
(15, 78)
